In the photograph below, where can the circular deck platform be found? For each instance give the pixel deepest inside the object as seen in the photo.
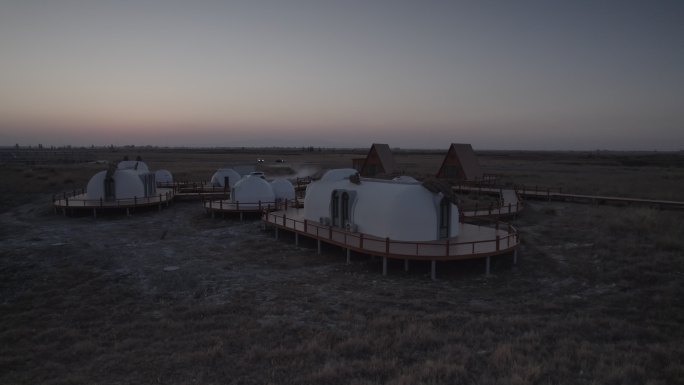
(78, 201)
(473, 241)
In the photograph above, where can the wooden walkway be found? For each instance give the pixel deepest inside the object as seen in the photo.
(598, 199)
(197, 190)
(473, 241)
(78, 201)
(509, 203)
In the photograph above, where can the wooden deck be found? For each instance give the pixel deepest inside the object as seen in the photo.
(78, 201)
(197, 190)
(473, 241)
(214, 207)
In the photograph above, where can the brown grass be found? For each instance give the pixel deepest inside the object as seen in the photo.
(595, 299)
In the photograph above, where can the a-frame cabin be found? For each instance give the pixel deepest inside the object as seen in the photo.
(378, 161)
(460, 163)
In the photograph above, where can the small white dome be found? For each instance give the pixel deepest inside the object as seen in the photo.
(163, 176)
(135, 165)
(283, 189)
(338, 174)
(219, 177)
(252, 189)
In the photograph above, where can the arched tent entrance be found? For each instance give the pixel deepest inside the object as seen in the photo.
(341, 208)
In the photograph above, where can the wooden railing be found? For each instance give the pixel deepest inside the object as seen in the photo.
(429, 250)
(260, 206)
(501, 207)
(70, 200)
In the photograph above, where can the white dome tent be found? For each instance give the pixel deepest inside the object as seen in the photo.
(163, 176)
(120, 184)
(220, 176)
(402, 211)
(283, 189)
(338, 174)
(135, 165)
(251, 190)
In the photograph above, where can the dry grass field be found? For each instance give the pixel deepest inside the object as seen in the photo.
(175, 297)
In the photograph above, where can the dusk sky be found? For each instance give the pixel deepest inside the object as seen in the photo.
(576, 75)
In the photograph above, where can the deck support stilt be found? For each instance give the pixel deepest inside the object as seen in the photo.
(128, 212)
(405, 264)
(95, 213)
(433, 270)
(241, 217)
(213, 214)
(276, 233)
(515, 256)
(348, 256)
(384, 266)
(319, 247)
(487, 264)
(296, 239)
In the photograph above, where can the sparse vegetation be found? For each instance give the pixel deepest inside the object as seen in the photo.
(176, 297)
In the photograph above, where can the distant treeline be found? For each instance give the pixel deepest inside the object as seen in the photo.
(43, 156)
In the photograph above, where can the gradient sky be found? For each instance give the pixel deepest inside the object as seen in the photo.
(415, 74)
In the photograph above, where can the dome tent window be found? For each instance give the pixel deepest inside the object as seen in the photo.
(335, 208)
(345, 208)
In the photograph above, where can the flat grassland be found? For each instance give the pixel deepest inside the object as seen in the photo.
(175, 297)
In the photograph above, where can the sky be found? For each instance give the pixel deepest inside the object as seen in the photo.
(530, 75)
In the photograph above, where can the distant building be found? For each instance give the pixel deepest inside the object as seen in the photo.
(378, 161)
(460, 163)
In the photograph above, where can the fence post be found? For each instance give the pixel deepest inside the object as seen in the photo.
(361, 241)
(387, 246)
(498, 238)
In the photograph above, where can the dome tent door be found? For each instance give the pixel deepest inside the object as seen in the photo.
(109, 189)
(444, 218)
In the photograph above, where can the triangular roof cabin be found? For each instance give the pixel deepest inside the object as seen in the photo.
(460, 163)
(378, 161)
